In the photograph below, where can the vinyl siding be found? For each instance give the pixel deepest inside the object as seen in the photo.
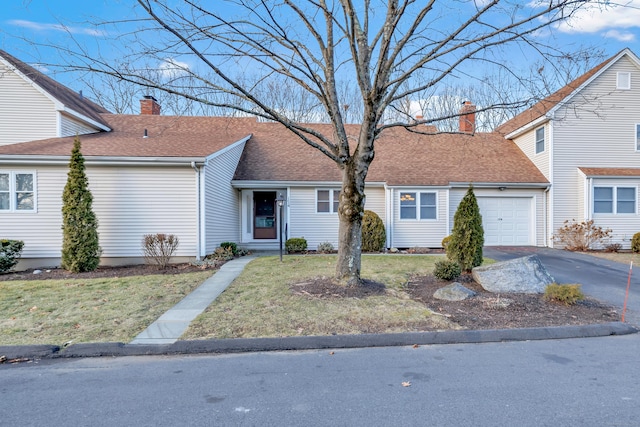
(597, 129)
(527, 144)
(623, 226)
(419, 233)
(72, 127)
(317, 228)
(25, 113)
(129, 202)
(222, 211)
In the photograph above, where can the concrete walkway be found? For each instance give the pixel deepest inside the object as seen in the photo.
(172, 324)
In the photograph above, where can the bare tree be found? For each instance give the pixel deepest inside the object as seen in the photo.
(232, 54)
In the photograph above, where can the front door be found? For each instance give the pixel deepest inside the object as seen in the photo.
(264, 215)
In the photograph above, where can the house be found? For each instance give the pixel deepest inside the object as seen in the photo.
(215, 179)
(585, 139)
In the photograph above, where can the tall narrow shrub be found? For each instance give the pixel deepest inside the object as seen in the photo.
(467, 236)
(80, 246)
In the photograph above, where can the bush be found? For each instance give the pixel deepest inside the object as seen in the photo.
(80, 245)
(10, 251)
(374, 235)
(296, 244)
(221, 254)
(158, 248)
(581, 236)
(467, 236)
(446, 270)
(613, 247)
(565, 294)
(325, 247)
(635, 243)
(445, 242)
(230, 245)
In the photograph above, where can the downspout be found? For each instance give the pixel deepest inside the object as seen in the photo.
(199, 219)
(545, 200)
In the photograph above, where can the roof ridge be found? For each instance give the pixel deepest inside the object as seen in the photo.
(57, 90)
(546, 104)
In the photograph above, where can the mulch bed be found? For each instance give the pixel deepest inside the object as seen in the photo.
(502, 311)
(119, 271)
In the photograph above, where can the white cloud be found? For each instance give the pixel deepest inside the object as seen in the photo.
(607, 19)
(172, 68)
(623, 36)
(36, 26)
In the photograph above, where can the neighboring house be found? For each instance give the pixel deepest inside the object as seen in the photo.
(215, 179)
(585, 139)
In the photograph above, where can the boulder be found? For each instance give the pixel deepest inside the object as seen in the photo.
(454, 292)
(524, 275)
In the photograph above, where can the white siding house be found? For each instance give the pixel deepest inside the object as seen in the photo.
(593, 127)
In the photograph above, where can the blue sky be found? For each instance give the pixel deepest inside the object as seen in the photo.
(51, 22)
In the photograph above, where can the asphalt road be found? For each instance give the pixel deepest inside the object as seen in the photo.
(600, 278)
(575, 382)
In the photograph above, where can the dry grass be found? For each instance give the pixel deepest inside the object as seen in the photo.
(623, 257)
(260, 303)
(91, 310)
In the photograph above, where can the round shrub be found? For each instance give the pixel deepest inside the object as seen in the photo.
(446, 270)
(230, 245)
(10, 251)
(296, 244)
(635, 243)
(325, 247)
(445, 242)
(374, 235)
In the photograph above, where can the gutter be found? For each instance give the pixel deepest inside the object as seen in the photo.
(101, 160)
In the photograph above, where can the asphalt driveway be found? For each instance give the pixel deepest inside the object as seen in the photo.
(602, 279)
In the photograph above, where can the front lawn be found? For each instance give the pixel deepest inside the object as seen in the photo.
(261, 303)
(88, 310)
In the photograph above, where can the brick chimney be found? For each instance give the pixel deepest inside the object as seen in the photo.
(149, 106)
(468, 117)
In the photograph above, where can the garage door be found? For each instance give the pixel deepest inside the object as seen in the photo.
(506, 220)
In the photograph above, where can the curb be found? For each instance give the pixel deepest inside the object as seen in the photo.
(243, 345)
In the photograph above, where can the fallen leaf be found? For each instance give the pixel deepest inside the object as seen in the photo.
(416, 346)
(406, 383)
(331, 353)
(32, 309)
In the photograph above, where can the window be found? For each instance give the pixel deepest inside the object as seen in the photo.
(624, 81)
(411, 201)
(17, 191)
(327, 201)
(638, 137)
(623, 199)
(539, 140)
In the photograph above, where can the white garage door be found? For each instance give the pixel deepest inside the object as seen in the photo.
(506, 220)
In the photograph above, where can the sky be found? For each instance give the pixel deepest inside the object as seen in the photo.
(53, 21)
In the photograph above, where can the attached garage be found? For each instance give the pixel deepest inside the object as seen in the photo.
(507, 221)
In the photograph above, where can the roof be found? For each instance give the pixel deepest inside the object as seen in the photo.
(611, 172)
(69, 98)
(167, 136)
(273, 153)
(402, 158)
(542, 107)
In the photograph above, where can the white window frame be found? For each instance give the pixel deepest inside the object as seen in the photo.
(418, 205)
(13, 191)
(334, 201)
(614, 201)
(540, 140)
(623, 80)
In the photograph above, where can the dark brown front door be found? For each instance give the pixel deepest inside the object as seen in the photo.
(264, 215)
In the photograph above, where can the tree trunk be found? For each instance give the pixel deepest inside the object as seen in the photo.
(350, 213)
